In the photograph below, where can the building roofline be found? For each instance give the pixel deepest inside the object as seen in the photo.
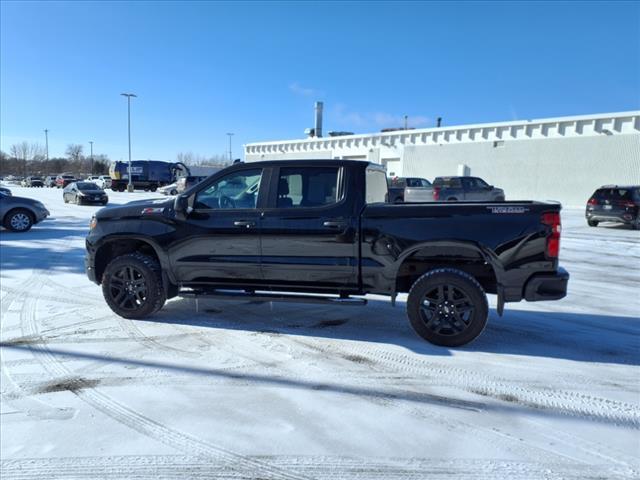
(419, 131)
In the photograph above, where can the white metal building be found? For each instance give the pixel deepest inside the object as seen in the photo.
(561, 159)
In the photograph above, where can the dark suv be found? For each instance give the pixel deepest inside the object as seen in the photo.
(614, 203)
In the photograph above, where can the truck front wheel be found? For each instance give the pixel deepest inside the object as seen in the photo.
(447, 307)
(132, 285)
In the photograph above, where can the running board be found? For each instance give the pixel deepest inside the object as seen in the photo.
(270, 297)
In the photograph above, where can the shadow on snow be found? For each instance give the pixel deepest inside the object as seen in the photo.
(562, 335)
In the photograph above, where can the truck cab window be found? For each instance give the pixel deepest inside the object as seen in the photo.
(236, 190)
(307, 187)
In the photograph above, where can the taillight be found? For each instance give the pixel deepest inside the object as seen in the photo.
(552, 219)
(628, 204)
(436, 193)
(592, 201)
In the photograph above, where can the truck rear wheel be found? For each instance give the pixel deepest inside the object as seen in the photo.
(132, 285)
(447, 307)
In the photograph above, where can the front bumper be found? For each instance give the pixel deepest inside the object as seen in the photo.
(547, 286)
(89, 262)
(41, 215)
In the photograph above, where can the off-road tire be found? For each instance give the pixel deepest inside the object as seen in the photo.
(462, 283)
(11, 220)
(150, 270)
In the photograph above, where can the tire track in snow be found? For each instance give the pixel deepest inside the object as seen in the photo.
(153, 467)
(389, 360)
(15, 394)
(139, 422)
(559, 401)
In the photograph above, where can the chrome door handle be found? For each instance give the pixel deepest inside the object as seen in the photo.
(245, 224)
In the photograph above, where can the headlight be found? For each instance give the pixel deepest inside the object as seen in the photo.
(93, 223)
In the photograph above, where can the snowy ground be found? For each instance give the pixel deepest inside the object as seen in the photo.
(248, 390)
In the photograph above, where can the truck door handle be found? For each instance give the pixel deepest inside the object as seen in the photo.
(331, 224)
(245, 224)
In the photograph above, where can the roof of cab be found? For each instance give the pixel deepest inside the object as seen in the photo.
(303, 161)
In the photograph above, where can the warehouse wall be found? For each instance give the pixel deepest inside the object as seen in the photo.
(563, 169)
(320, 154)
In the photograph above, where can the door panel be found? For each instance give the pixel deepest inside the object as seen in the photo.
(222, 245)
(309, 238)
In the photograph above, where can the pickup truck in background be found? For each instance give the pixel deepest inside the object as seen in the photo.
(455, 189)
(321, 231)
(399, 185)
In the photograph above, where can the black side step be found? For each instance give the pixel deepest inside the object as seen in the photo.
(270, 297)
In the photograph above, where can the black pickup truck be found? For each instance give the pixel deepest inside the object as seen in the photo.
(322, 231)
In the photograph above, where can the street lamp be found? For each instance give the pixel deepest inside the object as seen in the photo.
(230, 156)
(46, 142)
(91, 157)
(129, 95)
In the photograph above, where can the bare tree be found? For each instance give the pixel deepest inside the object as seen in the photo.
(74, 152)
(25, 152)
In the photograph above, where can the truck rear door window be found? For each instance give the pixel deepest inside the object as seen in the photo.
(300, 187)
(376, 186)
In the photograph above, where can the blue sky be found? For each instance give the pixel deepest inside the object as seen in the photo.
(202, 69)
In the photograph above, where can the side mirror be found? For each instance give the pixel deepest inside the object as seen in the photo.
(490, 187)
(182, 207)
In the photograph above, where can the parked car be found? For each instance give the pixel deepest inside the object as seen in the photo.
(171, 189)
(5, 190)
(64, 179)
(324, 227)
(19, 214)
(84, 192)
(455, 189)
(103, 181)
(397, 186)
(614, 203)
(33, 182)
(50, 181)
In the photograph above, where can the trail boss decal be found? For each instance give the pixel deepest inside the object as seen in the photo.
(508, 209)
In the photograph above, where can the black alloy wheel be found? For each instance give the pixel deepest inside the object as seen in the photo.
(128, 288)
(446, 310)
(447, 307)
(132, 285)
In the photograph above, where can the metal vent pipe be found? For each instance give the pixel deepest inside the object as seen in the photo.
(318, 125)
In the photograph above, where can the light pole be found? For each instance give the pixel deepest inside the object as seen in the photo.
(129, 95)
(91, 157)
(46, 142)
(230, 156)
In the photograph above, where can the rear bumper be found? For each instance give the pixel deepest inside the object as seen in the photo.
(618, 217)
(547, 286)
